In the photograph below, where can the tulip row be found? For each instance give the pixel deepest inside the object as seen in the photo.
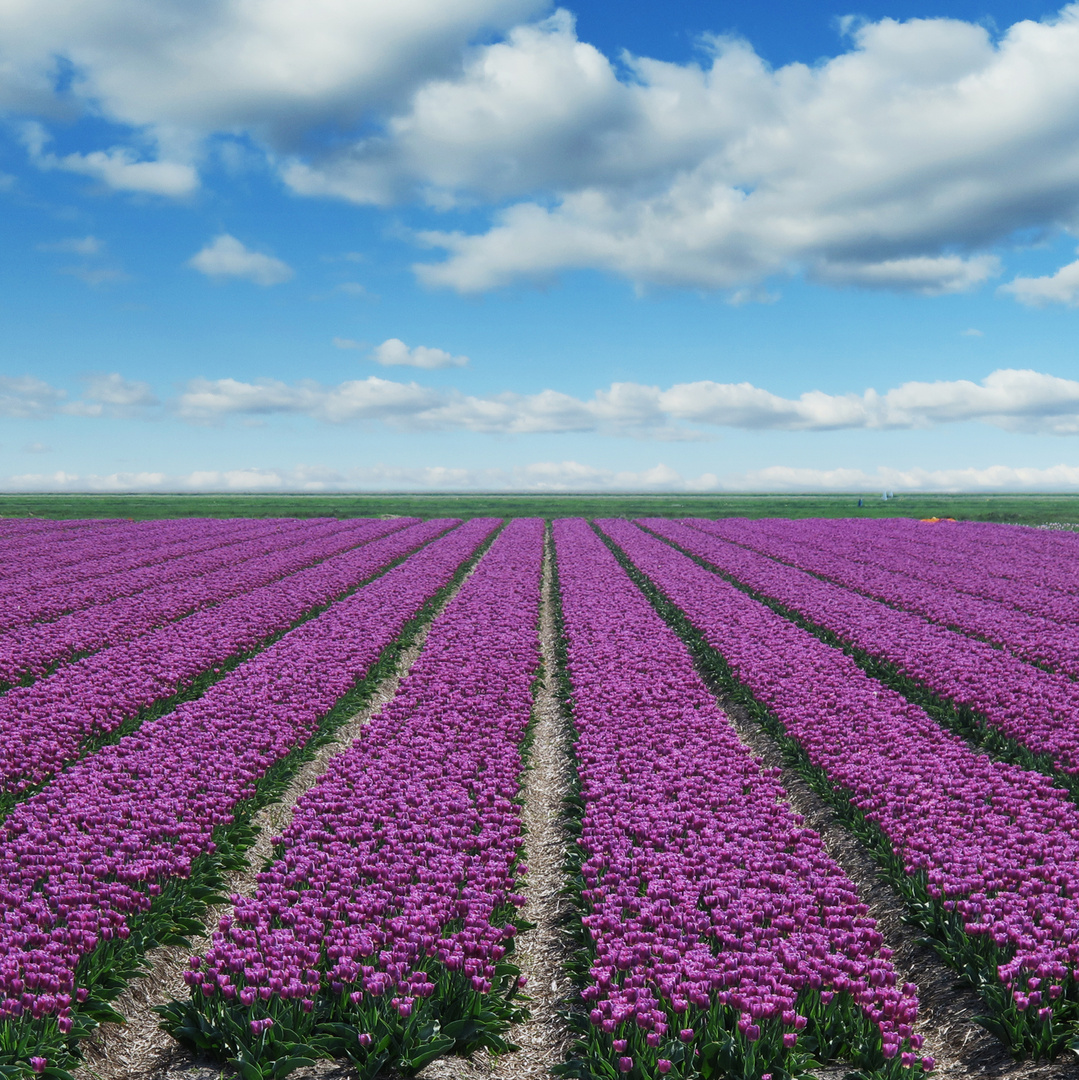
(721, 934)
(986, 693)
(36, 598)
(27, 548)
(88, 568)
(381, 929)
(29, 652)
(973, 557)
(123, 850)
(45, 726)
(979, 554)
(986, 853)
(1032, 637)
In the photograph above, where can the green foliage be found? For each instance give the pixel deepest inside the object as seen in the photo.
(1027, 509)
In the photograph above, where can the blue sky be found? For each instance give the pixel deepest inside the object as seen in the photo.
(499, 244)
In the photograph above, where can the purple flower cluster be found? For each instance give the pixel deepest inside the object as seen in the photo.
(208, 579)
(994, 845)
(1035, 708)
(95, 848)
(1022, 567)
(45, 588)
(43, 726)
(398, 869)
(897, 577)
(709, 903)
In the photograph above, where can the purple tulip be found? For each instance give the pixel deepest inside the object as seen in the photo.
(399, 864)
(704, 894)
(995, 844)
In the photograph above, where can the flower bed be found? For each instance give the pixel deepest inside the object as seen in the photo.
(31, 651)
(381, 929)
(47, 725)
(1036, 709)
(721, 937)
(121, 851)
(987, 854)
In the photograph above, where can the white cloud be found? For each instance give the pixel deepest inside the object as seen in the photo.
(992, 478)
(103, 395)
(972, 332)
(26, 396)
(557, 476)
(276, 69)
(118, 168)
(930, 276)
(1059, 288)
(354, 288)
(75, 245)
(900, 164)
(113, 395)
(892, 166)
(347, 343)
(393, 352)
(1014, 400)
(225, 256)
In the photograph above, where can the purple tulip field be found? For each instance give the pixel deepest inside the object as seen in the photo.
(163, 682)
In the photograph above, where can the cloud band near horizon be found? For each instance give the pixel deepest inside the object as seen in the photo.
(552, 477)
(1014, 400)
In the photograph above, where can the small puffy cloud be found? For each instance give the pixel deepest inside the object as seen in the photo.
(1059, 288)
(114, 389)
(206, 400)
(972, 332)
(347, 343)
(930, 276)
(393, 352)
(75, 245)
(354, 288)
(225, 256)
(24, 396)
(118, 168)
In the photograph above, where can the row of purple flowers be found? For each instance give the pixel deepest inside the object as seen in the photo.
(1008, 563)
(1035, 638)
(389, 910)
(991, 850)
(53, 563)
(52, 591)
(82, 862)
(1041, 562)
(60, 549)
(44, 726)
(30, 651)
(719, 929)
(1035, 708)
